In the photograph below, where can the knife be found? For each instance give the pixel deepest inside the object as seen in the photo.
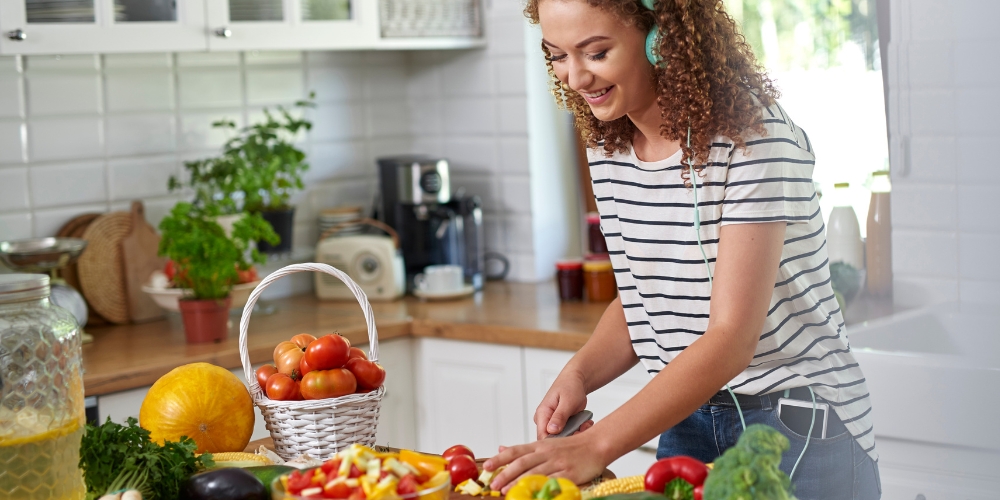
(573, 424)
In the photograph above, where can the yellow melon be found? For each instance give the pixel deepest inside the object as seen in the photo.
(202, 401)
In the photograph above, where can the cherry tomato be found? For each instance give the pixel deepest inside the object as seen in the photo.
(297, 481)
(331, 466)
(304, 367)
(457, 450)
(282, 347)
(407, 485)
(322, 384)
(281, 387)
(328, 352)
(355, 472)
(337, 489)
(370, 375)
(357, 494)
(246, 276)
(462, 467)
(288, 363)
(302, 340)
(264, 372)
(357, 352)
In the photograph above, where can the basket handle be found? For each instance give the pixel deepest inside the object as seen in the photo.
(359, 294)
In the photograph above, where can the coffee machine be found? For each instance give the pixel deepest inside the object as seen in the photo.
(434, 225)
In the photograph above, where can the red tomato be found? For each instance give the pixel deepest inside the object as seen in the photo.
(170, 269)
(370, 375)
(462, 467)
(247, 276)
(355, 472)
(457, 450)
(304, 367)
(357, 494)
(407, 485)
(281, 387)
(297, 481)
(302, 340)
(288, 363)
(328, 352)
(330, 467)
(322, 384)
(282, 347)
(263, 373)
(337, 489)
(356, 352)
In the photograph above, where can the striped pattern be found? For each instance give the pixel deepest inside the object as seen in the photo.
(647, 219)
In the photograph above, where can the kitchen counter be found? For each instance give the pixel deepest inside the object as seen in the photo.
(128, 356)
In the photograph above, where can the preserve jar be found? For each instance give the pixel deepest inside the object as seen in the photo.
(879, 241)
(41, 393)
(599, 281)
(595, 237)
(569, 275)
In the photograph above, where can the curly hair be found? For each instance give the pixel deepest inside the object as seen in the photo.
(707, 79)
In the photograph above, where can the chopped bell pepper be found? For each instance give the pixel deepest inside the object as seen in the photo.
(427, 465)
(538, 487)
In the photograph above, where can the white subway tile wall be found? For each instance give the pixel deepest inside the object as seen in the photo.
(945, 207)
(90, 133)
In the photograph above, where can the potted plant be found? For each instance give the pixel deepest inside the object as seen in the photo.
(208, 262)
(258, 171)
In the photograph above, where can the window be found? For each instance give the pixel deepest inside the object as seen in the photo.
(823, 56)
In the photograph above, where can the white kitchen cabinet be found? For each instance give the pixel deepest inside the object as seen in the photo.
(397, 426)
(541, 366)
(468, 393)
(102, 26)
(292, 24)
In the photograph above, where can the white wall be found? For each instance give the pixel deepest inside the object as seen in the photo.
(944, 104)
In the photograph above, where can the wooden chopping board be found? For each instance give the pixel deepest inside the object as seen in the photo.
(75, 228)
(101, 267)
(139, 252)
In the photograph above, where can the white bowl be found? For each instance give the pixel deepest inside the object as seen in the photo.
(168, 298)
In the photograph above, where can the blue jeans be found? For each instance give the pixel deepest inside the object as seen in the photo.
(834, 468)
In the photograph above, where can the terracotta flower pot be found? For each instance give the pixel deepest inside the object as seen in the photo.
(205, 320)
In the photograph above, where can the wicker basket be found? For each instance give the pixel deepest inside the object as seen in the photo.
(319, 427)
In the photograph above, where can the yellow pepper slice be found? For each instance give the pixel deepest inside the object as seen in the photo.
(538, 487)
(427, 465)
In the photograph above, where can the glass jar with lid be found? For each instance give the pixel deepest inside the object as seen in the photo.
(41, 393)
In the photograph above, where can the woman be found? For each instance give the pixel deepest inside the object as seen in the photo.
(738, 298)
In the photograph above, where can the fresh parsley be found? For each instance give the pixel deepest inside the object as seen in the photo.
(111, 449)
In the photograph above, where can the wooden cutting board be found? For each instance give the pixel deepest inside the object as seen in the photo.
(75, 228)
(139, 253)
(101, 267)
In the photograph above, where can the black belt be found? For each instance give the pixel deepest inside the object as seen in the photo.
(722, 398)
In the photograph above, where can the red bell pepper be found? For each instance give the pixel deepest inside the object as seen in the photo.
(679, 478)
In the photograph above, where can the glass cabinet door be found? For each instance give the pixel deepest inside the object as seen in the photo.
(88, 26)
(292, 24)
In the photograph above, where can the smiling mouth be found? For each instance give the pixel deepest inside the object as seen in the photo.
(599, 93)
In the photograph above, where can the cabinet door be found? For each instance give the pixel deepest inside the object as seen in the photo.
(397, 426)
(542, 366)
(105, 26)
(468, 393)
(292, 24)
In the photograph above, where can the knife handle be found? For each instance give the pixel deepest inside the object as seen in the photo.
(573, 424)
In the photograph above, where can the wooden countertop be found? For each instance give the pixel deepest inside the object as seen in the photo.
(129, 356)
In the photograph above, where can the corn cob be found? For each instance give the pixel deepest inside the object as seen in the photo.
(630, 484)
(240, 459)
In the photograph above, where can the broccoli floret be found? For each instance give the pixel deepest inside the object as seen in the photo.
(749, 470)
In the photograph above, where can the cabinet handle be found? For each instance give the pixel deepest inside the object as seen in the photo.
(224, 32)
(17, 35)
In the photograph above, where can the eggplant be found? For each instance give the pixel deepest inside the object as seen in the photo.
(224, 484)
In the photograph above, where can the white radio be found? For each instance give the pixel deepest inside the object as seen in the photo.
(373, 261)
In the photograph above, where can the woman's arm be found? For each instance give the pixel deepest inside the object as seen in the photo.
(606, 355)
(745, 272)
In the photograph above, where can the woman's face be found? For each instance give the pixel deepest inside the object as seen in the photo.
(599, 56)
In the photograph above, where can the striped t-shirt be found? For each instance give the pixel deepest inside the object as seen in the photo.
(647, 219)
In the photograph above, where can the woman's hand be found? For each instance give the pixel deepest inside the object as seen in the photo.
(565, 398)
(575, 458)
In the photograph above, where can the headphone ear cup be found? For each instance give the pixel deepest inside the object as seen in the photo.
(648, 4)
(652, 40)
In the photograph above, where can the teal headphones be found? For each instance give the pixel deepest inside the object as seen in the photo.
(652, 38)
